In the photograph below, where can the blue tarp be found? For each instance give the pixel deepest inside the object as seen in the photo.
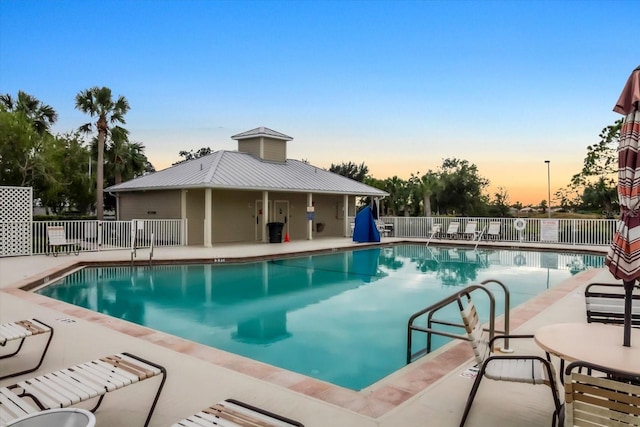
(365, 229)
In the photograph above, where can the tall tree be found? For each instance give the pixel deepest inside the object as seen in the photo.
(126, 160)
(99, 104)
(351, 170)
(595, 185)
(462, 188)
(41, 116)
(424, 187)
(190, 155)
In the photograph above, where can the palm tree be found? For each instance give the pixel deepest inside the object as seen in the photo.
(97, 102)
(42, 116)
(126, 159)
(429, 184)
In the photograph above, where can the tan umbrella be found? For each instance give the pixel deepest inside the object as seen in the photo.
(623, 258)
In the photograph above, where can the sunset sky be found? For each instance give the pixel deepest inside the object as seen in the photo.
(398, 85)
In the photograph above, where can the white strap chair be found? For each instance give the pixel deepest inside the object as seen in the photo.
(233, 413)
(515, 368)
(77, 384)
(21, 330)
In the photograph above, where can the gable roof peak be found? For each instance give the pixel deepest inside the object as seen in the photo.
(262, 131)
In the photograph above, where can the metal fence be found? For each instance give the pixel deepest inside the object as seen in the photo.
(91, 235)
(592, 232)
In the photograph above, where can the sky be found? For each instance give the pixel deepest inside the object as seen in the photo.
(397, 85)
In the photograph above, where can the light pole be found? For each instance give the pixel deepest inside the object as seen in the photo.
(548, 162)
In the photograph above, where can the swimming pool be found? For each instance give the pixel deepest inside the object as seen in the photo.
(339, 317)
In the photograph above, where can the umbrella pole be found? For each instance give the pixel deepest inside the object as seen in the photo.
(628, 291)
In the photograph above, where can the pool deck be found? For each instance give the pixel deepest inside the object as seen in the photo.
(430, 391)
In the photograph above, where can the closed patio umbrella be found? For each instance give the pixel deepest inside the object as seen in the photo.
(623, 258)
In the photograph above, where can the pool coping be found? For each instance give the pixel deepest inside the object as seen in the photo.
(373, 401)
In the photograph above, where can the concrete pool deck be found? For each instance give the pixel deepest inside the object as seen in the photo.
(431, 391)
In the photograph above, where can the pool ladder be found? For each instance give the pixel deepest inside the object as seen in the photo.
(134, 249)
(457, 299)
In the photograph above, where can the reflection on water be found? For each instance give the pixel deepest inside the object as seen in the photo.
(339, 317)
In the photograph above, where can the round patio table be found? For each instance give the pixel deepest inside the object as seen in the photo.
(65, 417)
(591, 342)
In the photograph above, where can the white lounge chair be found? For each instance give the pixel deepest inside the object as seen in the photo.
(470, 230)
(77, 384)
(494, 230)
(58, 241)
(522, 368)
(21, 330)
(233, 413)
(452, 230)
(435, 232)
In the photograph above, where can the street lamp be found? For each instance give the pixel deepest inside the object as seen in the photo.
(548, 162)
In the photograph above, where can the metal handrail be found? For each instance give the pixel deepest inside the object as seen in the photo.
(507, 311)
(431, 310)
(151, 245)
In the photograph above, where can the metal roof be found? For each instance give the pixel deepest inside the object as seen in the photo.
(262, 131)
(242, 171)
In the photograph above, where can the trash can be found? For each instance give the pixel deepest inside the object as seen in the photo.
(275, 232)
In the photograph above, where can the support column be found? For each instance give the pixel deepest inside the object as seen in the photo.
(345, 216)
(310, 221)
(183, 217)
(208, 204)
(265, 216)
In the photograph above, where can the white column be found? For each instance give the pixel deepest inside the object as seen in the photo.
(265, 216)
(310, 222)
(183, 216)
(345, 216)
(208, 204)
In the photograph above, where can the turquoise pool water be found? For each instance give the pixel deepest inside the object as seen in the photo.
(339, 317)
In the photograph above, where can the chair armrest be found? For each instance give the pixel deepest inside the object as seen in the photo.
(501, 337)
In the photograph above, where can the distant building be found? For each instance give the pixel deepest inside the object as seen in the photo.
(231, 196)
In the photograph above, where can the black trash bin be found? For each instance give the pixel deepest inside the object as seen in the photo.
(275, 231)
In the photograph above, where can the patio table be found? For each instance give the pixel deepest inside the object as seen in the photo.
(591, 342)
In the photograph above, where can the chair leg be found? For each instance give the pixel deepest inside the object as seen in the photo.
(472, 394)
(554, 392)
(44, 353)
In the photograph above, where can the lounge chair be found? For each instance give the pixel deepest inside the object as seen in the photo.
(435, 232)
(77, 384)
(470, 230)
(452, 231)
(58, 241)
(520, 368)
(383, 228)
(21, 330)
(232, 413)
(493, 232)
(605, 304)
(606, 398)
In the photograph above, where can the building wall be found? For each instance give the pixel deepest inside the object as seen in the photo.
(235, 213)
(195, 216)
(150, 205)
(275, 150)
(329, 212)
(233, 216)
(251, 146)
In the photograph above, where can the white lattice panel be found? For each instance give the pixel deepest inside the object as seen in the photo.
(16, 212)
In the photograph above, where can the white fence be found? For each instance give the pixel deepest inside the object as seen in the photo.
(91, 235)
(592, 232)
